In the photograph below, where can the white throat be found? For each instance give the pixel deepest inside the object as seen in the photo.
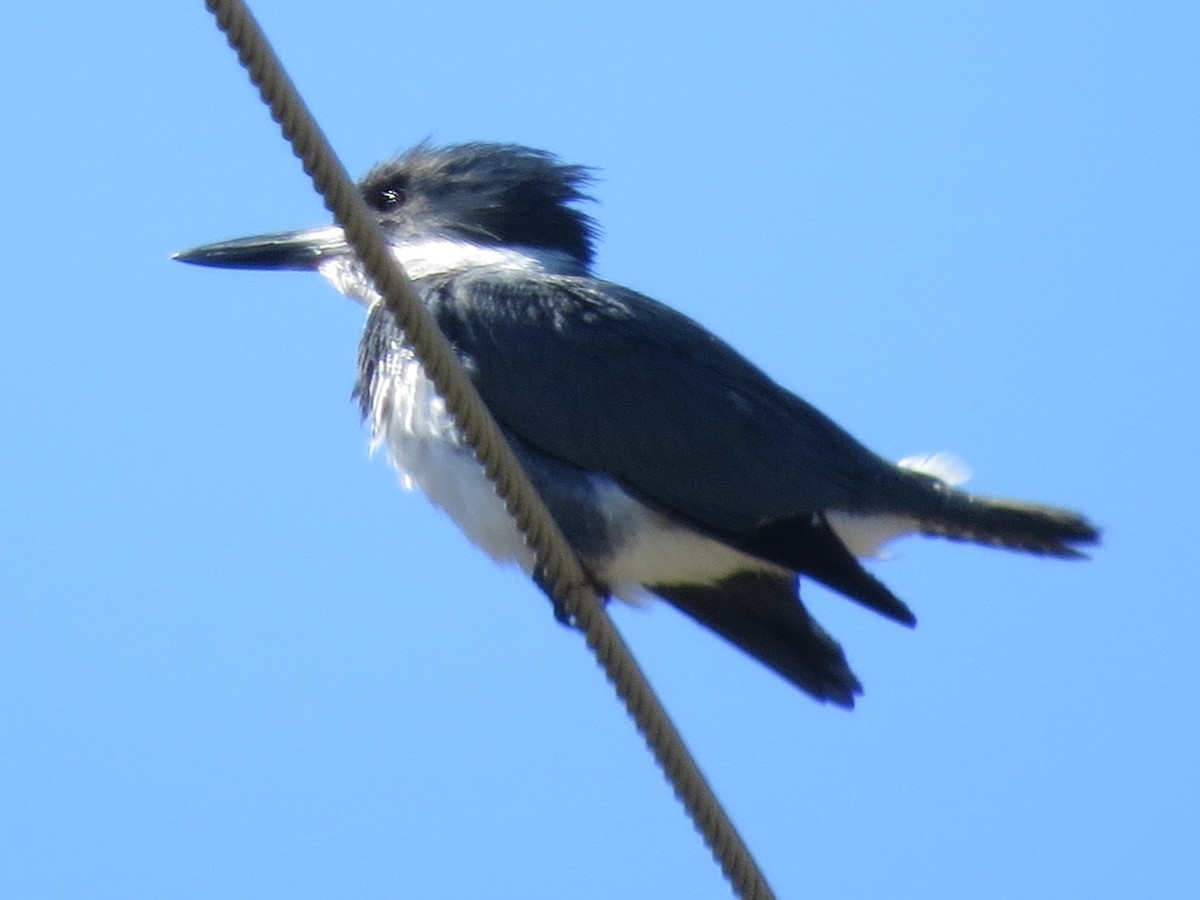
(437, 256)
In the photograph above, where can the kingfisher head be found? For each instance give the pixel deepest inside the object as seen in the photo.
(443, 208)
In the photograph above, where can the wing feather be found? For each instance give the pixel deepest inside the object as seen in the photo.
(612, 381)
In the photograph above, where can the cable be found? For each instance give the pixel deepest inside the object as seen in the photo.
(558, 571)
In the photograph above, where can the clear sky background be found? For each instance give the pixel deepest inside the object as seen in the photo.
(237, 661)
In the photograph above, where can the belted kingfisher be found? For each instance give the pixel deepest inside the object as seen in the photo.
(672, 464)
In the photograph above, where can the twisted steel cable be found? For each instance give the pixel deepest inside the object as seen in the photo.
(558, 571)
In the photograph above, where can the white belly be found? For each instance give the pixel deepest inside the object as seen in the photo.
(410, 419)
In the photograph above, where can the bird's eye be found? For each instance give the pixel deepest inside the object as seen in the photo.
(389, 196)
(394, 196)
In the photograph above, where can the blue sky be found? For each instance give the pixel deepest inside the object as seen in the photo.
(237, 661)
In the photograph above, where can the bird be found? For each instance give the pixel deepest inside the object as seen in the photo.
(674, 466)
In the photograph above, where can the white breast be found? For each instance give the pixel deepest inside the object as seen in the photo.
(409, 418)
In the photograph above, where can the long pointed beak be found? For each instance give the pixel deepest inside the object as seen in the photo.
(300, 250)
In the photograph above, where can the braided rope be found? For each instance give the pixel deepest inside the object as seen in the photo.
(558, 571)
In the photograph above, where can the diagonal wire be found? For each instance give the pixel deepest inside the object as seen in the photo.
(558, 571)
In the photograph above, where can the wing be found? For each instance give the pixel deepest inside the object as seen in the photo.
(761, 614)
(612, 381)
(608, 380)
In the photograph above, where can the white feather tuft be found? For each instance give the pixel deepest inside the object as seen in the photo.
(943, 466)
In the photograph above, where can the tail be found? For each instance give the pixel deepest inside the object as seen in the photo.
(945, 511)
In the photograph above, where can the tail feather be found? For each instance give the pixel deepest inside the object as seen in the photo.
(1012, 524)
